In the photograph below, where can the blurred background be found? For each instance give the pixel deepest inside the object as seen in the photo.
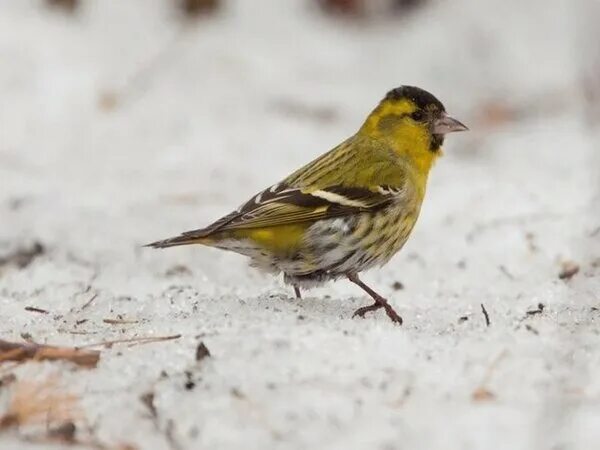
(123, 122)
(135, 120)
(195, 98)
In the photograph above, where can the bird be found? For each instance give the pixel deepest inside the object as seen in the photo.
(349, 210)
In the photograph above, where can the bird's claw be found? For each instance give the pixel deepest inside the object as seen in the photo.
(393, 315)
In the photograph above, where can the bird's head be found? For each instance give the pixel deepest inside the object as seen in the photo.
(412, 120)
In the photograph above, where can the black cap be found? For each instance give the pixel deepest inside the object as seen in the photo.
(422, 98)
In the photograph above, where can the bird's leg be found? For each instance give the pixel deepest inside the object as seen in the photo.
(297, 292)
(380, 302)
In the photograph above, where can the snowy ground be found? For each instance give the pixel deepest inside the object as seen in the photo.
(123, 125)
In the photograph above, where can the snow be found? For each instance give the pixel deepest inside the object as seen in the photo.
(207, 114)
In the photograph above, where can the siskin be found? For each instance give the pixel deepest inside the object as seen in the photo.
(347, 211)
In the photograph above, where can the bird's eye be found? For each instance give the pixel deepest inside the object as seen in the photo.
(417, 115)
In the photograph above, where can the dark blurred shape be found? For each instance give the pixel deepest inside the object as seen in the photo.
(23, 256)
(195, 8)
(178, 270)
(568, 270)
(66, 5)
(397, 286)
(369, 8)
(16, 203)
(343, 7)
(190, 384)
(7, 380)
(535, 312)
(64, 433)
(108, 100)
(407, 5)
(202, 352)
(148, 400)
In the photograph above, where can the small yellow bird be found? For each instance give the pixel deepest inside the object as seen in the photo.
(347, 211)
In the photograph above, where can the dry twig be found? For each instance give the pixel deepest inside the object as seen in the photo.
(120, 321)
(37, 310)
(15, 351)
(89, 302)
(485, 315)
(132, 341)
(533, 312)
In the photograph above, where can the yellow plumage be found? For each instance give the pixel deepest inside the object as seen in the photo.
(350, 209)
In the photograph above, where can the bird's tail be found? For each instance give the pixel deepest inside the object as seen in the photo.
(184, 239)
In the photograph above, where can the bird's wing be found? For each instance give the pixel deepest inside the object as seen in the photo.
(282, 205)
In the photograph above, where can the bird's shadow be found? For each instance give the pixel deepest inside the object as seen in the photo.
(311, 306)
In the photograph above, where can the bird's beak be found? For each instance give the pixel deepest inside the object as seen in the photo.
(446, 124)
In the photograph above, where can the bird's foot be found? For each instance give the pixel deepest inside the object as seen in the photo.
(297, 292)
(391, 313)
(360, 312)
(380, 302)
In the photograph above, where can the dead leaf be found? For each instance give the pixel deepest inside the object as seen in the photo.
(37, 403)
